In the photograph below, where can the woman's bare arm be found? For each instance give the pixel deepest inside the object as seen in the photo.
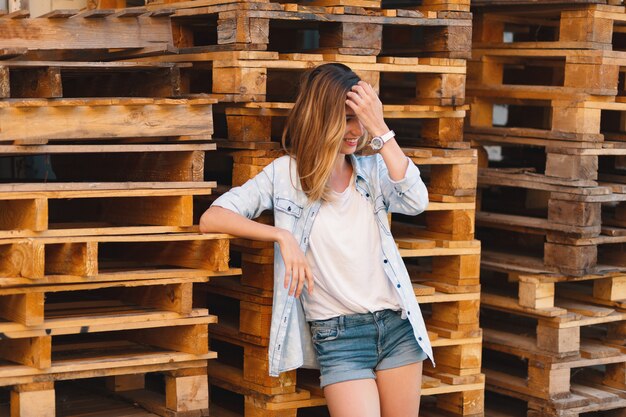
(221, 220)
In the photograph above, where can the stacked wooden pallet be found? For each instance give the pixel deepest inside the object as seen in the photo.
(553, 201)
(250, 55)
(98, 252)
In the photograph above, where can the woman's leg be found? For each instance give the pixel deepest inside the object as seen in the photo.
(356, 398)
(399, 390)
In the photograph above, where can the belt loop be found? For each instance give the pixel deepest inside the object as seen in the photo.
(341, 322)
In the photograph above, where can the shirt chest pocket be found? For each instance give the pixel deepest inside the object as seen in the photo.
(380, 212)
(287, 213)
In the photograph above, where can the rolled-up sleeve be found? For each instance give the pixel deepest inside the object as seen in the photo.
(252, 198)
(406, 196)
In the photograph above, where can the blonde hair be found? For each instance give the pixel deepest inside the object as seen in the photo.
(316, 125)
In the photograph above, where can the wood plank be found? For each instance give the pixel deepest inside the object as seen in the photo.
(105, 189)
(87, 119)
(97, 322)
(54, 34)
(116, 148)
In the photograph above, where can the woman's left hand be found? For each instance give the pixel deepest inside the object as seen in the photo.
(368, 108)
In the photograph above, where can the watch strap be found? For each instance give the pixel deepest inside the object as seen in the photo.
(387, 136)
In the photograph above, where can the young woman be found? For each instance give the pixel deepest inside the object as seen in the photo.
(343, 300)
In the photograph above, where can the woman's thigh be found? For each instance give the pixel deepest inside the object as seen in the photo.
(399, 390)
(355, 398)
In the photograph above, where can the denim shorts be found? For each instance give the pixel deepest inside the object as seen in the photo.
(355, 346)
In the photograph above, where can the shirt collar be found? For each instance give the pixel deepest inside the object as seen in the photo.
(358, 169)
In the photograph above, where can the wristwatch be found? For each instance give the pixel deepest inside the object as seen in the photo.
(377, 142)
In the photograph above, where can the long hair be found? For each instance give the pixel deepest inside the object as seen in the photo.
(316, 125)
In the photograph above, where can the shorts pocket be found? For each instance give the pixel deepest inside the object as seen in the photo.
(324, 333)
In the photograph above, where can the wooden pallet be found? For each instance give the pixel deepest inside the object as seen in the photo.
(568, 387)
(424, 6)
(35, 311)
(554, 335)
(341, 30)
(588, 395)
(120, 353)
(573, 26)
(60, 33)
(573, 229)
(597, 162)
(484, 3)
(554, 74)
(259, 76)
(186, 394)
(92, 256)
(70, 79)
(75, 209)
(437, 126)
(73, 399)
(542, 292)
(69, 332)
(588, 122)
(38, 121)
(557, 88)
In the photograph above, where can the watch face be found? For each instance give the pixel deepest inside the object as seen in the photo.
(376, 143)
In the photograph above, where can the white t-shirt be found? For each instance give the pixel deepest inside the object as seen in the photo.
(344, 251)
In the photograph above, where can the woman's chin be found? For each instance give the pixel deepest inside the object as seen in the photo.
(347, 150)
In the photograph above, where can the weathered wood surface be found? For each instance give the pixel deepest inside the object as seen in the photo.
(85, 31)
(33, 121)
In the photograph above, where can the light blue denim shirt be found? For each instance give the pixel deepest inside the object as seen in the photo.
(272, 189)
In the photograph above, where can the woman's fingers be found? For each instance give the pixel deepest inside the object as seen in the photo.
(310, 279)
(294, 280)
(355, 97)
(300, 282)
(297, 270)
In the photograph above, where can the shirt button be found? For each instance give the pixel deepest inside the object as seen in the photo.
(289, 208)
(398, 285)
(419, 338)
(385, 261)
(408, 313)
(367, 195)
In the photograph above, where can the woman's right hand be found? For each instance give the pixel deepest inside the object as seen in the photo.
(296, 264)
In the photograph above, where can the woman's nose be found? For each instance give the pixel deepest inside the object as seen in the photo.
(356, 128)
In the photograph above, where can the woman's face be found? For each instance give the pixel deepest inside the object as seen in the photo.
(354, 130)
